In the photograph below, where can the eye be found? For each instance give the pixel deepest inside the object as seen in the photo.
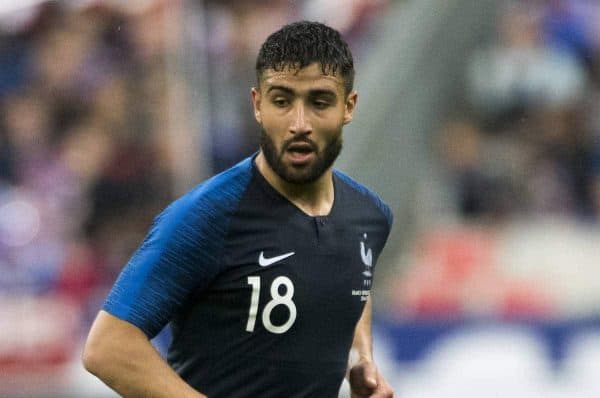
(280, 102)
(320, 104)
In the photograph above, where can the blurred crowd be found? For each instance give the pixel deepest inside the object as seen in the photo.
(527, 143)
(522, 162)
(82, 157)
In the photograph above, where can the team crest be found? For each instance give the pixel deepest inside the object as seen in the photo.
(367, 258)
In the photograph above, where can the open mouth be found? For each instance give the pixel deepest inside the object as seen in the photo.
(301, 147)
(300, 152)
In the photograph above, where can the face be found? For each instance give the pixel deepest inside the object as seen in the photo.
(301, 113)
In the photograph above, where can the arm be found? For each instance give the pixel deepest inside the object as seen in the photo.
(121, 355)
(362, 345)
(364, 379)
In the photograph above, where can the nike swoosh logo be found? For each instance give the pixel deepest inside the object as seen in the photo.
(264, 262)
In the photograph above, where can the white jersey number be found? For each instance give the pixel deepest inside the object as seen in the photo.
(276, 299)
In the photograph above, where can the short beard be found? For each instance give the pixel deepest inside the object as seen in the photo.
(295, 175)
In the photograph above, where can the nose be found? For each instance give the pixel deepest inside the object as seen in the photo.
(300, 123)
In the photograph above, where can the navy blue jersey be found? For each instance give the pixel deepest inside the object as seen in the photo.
(262, 298)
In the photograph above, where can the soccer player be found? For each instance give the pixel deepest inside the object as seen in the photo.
(264, 271)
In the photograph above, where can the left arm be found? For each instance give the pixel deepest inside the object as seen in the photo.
(362, 345)
(363, 376)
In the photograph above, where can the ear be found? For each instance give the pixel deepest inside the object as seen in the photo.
(349, 106)
(256, 98)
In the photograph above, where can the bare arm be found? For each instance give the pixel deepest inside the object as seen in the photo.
(121, 355)
(364, 379)
(362, 345)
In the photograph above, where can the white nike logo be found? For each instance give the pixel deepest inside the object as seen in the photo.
(264, 262)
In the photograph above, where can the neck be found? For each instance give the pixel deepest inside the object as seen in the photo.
(314, 198)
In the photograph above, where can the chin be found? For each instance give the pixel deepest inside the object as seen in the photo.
(300, 177)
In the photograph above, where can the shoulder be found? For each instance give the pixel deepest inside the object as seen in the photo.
(213, 200)
(225, 186)
(366, 194)
(219, 192)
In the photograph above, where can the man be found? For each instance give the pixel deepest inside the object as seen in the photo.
(264, 271)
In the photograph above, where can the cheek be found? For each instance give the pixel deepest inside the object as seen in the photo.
(333, 120)
(274, 125)
(329, 128)
(275, 134)
(275, 131)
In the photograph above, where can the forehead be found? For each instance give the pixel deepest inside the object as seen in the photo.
(309, 77)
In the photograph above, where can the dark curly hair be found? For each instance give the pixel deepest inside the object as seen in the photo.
(299, 44)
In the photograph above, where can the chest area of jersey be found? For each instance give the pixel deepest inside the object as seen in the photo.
(315, 250)
(315, 265)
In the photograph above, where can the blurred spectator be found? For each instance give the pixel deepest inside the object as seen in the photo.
(528, 146)
(572, 26)
(26, 126)
(520, 70)
(483, 170)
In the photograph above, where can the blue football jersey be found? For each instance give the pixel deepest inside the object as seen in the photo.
(262, 298)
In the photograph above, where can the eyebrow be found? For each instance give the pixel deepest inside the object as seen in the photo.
(311, 93)
(282, 88)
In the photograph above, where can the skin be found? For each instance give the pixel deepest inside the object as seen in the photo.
(364, 378)
(135, 369)
(307, 105)
(303, 105)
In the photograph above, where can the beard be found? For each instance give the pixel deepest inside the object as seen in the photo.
(300, 175)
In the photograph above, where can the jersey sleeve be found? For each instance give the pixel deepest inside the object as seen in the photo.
(389, 216)
(180, 255)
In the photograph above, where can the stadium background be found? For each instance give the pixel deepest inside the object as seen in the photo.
(477, 121)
